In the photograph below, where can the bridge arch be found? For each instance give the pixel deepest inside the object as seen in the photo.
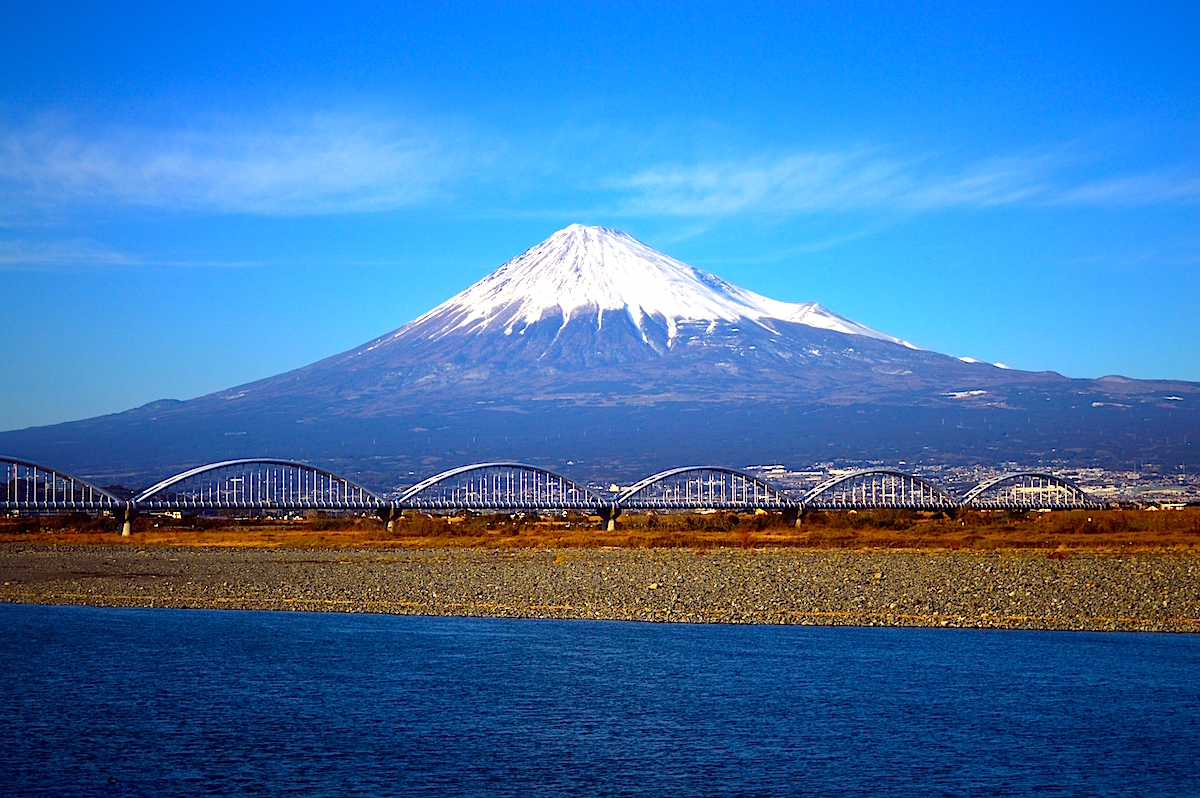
(257, 483)
(1028, 490)
(499, 486)
(704, 488)
(31, 486)
(878, 488)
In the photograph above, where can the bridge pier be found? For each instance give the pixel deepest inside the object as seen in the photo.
(608, 515)
(389, 515)
(791, 515)
(125, 519)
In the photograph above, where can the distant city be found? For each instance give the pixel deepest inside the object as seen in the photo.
(1150, 487)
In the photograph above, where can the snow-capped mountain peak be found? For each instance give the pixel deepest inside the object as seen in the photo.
(586, 272)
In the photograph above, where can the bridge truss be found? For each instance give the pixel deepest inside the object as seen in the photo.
(704, 488)
(32, 487)
(270, 484)
(878, 488)
(1028, 490)
(257, 484)
(499, 486)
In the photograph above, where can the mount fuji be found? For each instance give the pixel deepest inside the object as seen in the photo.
(594, 316)
(587, 272)
(595, 354)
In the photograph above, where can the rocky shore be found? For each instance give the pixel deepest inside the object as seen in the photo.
(1012, 589)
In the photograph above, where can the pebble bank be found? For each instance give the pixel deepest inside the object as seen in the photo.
(1017, 589)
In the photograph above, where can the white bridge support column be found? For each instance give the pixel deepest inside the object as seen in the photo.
(389, 515)
(608, 515)
(125, 518)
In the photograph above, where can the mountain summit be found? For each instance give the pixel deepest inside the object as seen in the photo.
(594, 354)
(587, 272)
(591, 298)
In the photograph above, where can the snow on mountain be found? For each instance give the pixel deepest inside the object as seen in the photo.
(585, 272)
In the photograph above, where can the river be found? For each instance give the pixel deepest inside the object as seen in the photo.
(154, 701)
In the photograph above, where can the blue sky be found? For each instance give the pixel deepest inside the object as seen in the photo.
(195, 198)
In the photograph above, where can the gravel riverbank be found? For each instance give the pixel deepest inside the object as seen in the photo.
(1015, 589)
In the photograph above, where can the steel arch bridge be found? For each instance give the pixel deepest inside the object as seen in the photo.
(704, 488)
(257, 484)
(33, 487)
(878, 488)
(267, 484)
(1028, 490)
(499, 486)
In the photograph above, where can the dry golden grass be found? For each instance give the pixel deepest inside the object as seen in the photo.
(1110, 530)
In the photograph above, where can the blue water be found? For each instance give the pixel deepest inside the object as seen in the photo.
(158, 702)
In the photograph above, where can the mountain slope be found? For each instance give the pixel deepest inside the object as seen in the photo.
(594, 315)
(595, 354)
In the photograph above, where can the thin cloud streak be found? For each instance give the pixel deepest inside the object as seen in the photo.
(75, 253)
(818, 181)
(84, 255)
(337, 163)
(314, 165)
(1153, 189)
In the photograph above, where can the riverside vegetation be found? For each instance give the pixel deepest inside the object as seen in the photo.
(1110, 530)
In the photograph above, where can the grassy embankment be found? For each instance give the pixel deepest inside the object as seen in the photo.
(1111, 530)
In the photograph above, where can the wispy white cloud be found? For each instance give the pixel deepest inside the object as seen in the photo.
(323, 163)
(84, 254)
(987, 183)
(24, 254)
(331, 163)
(821, 181)
(800, 182)
(81, 254)
(1145, 189)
